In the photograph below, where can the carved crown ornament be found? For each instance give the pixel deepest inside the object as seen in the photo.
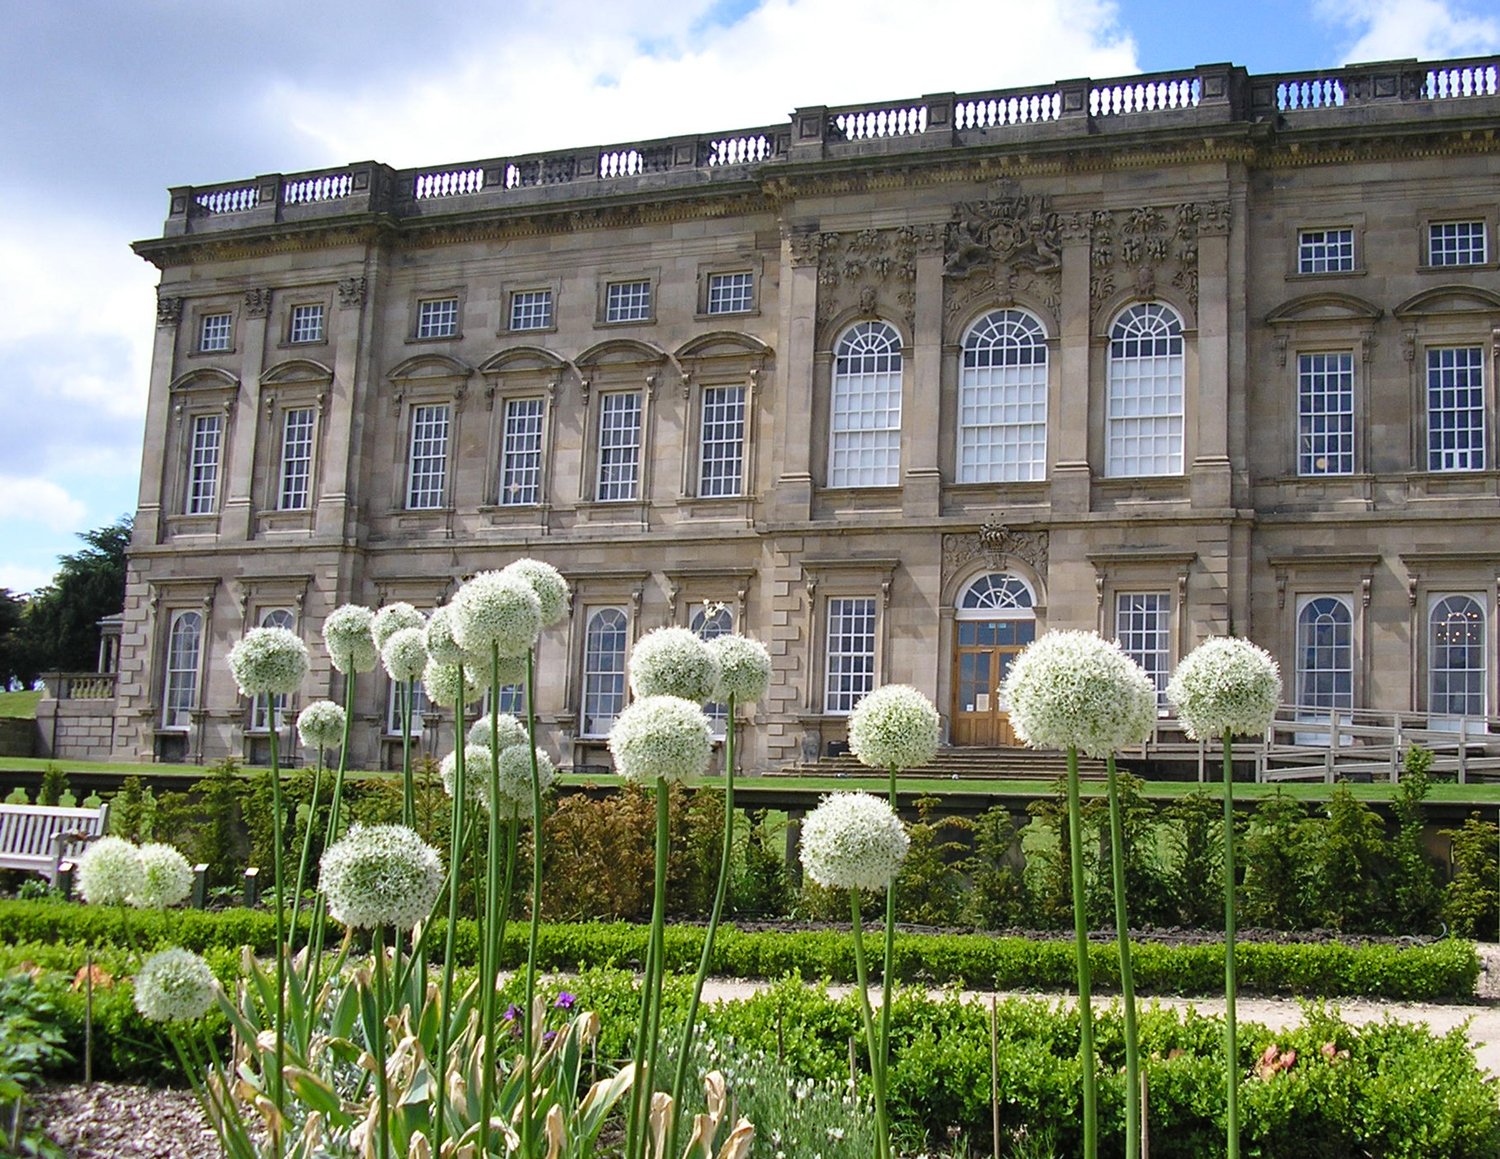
(998, 248)
(993, 544)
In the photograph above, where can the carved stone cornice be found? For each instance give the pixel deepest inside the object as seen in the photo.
(993, 544)
(1140, 249)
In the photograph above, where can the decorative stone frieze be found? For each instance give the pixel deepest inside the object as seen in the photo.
(996, 249)
(1143, 248)
(992, 544)
(168, 309)
(258, 302)
(870, 271)
(352, 292)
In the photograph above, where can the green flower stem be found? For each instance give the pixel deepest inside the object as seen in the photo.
(282, 952)
(330, 833)
(489, 944)
(529, 1015)
(1127, 971)
(705, 960)
(312, 817)
(377, 1047)
(646, 1034)
(888, 962)
(1231, 1035)
(635, 1121)
(408, 793)
(877, 1073)
(455, 836)
(1081, 951)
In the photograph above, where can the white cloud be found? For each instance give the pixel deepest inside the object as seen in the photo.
(1425, 29)
(34, 500)
(19, 578)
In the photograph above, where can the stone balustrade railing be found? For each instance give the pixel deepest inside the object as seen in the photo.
(79, 685)
(1204, 96)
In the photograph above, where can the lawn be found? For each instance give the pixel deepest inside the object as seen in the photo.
(19, 705)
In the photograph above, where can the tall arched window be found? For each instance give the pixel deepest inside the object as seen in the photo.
(603, 670)
(1456, 658)
(1144, 424)
(864, 445)
(709, 622)
(1325, 656)
(180, 690)
(260, 716)
(1002, 400)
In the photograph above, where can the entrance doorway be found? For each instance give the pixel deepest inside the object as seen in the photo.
(993, 621)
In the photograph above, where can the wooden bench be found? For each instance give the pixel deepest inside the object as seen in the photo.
(38, 838)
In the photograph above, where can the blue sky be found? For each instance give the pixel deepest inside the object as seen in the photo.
(107, 104)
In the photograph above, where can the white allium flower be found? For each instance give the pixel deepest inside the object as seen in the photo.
(441, 682)
(507, 731)
(548, 584)
(441, 645)
(321, 725)
(346, 632)
(166, 877)
(110, 872)
(269, 661)
(744, 668)
(515, 780)
(477, 759)
(380, 875)
(1077, 689)
(404, 653)
(1225, 685)
(499, 610)
(673, 662)
(391, 619)
(853, 841)
(175, 985)
(894, 727)
(661, 736)
(486, 673)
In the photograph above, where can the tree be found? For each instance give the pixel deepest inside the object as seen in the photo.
(61, 621)
(14, 662)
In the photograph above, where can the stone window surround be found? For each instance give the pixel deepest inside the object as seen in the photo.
(509, 290)
(416, 297)
(599, 588)
(1305, 575)
(194, 329)
(1430, 217)
(825, 578)
(1351, 221)
(309, 297)
(650, 275)
(740, 264)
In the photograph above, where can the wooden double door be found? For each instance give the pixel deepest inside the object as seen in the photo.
(983, 653)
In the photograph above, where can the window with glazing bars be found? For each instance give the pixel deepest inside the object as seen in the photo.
(260, 714)
(203, 466)
(1456, 651)
(865, 413)
(428, 469)
(711, 621)
(722, 448)
(619, 445)
(395, 706)
(1455, 409)
(307, 323)
(1457, 243)
(437, 318)
(296, 459)
(1143, 626)
(849, 657)
(180, 690)
(1325, 654)
(627, 302)
(531, 310)
(1325, 414)
(1325, 251)
(603, 670)
(1002, 400)
(1144, 422)
(213, 332)
(731, 293)
(521, 452)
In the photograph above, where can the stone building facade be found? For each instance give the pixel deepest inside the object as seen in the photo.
(892, 388)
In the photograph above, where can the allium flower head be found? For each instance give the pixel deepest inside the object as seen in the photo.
(673, 662)
(404, 653)
(661, 736)
(548, 584)
(166, 877)
(515, 780)
(380, 875)
(269, 660)
(1077, 689)
(346, 632)
(499, 610)
(1225, 685)
(506, 731)
(744, 668)
(321, 725)
(175, 985)
(894, 727)
(853, 841)
(441, 645)
(393, 618)
(110, 872)
(477, 758)
(441, 682)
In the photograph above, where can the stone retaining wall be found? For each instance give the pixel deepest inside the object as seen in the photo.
(78, 729)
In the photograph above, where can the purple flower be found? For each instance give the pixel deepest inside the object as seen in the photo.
(512, 1012)
(548, 1036)
(565, 1001)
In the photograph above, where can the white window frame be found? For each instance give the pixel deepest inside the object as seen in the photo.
(1466, 612)
(1327, 250)
(850, 651)
(731, 292)
(294, 479)
(427, 457)
(1002, 400)
(628, 300)
(1143, 629)
(603, 670)
(1145, 413)
(621, 431)
(306, 323)
(864, 411)
(260, 709)
(420, 705)
(437, 317)
(216, 332)
(1457, 408)
(1325, 412)
(181, 669)
(531, 309)
(708, 622)
(1458, 242)
(521, 434)
(1324, 656)
(205, 459)
(721, 440)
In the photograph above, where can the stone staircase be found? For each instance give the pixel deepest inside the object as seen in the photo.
(960, 764)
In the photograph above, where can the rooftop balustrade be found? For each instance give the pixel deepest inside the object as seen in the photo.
(1207, 95)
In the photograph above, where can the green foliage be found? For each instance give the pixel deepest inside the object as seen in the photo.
(1414, 898)
(1048, 873)
(761, 888)
(1344, 889)
(1276, 861)
(1147, 883)
(997, 896)
(930, 887)
(54, 785)
(132, 811)
(59, 629)
(1196, 858)
(31, 1045)
(1471, 905)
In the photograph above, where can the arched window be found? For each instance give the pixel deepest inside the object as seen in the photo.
(992, 596)
(1456, 658)
(864, 446)
(1325, 656)
(710, 621)
(1002, 400)
(603, 670)
(180, 692)
(260, 716)
(1144, 424)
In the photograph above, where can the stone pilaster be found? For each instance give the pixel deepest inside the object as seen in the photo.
(921, 396)
(1210, 470)
(791, 499)
(1068, 404)
(236, 520)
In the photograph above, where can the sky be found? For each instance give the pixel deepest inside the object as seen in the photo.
(103, 105)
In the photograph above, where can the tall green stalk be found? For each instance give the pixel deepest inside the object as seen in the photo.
(282, 950)
(872, 1041)
(1127, 971)
(312, 817)
(330, 833)
(377, 1048)
(1231, 1033)
(408, 792)
(489, 951)
(529, 1014)
(888, 961)
(456, 824)
(1081, 953)
(650, 1021)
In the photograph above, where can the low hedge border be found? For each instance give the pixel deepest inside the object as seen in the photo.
(1443, 970)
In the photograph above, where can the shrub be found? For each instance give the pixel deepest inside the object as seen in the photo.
(1194, 837)
(1275, 860)
(997, 895)
(1471, 901)
(931, 885)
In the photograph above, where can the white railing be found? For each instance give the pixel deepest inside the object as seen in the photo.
(1313, 92)
(1465, 80)
(634, 162)
(447, 183)
(737, 150)
(870, 124)
(235, 200)
(1113, 98)
(309, 190)
(1021, 109)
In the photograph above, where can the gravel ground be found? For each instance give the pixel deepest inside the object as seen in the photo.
(111, 1121)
